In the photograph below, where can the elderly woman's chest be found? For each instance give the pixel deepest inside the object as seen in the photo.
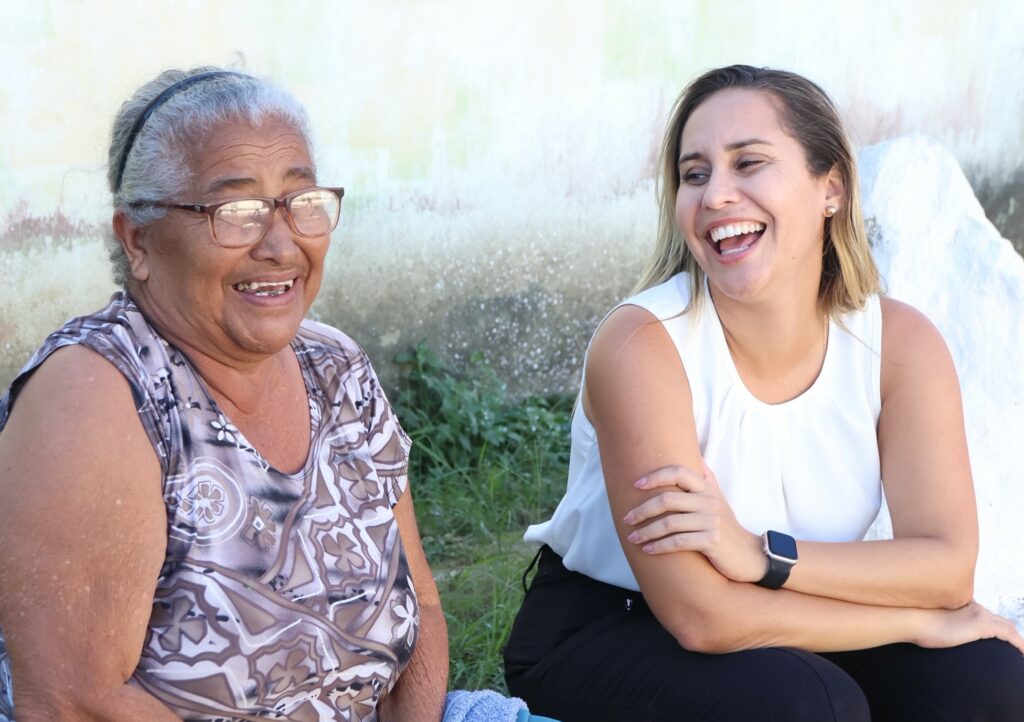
(268, 571)
(228, 504)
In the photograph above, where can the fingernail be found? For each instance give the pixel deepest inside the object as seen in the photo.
(629, 518)
(634, 537)
(647, 548)
(641, 482)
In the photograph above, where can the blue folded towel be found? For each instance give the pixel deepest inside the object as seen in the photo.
(482, 706)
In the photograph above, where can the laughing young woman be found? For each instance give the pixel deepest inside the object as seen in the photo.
(763, 392)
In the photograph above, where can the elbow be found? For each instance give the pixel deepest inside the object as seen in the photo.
(705, 641)
(958, 593)
(958, 589)
(706, 633)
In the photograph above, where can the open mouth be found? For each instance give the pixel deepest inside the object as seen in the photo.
(264, 288)
(735, 238)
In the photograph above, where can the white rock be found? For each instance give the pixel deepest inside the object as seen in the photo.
(937, 251)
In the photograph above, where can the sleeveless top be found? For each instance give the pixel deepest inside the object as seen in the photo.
(808, 467)
(282, 596)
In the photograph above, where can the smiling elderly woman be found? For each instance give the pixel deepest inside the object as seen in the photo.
(205, 510)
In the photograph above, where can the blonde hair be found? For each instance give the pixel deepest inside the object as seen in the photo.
(848, 272)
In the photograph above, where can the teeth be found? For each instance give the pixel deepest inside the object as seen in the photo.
(730, 251)
(266, 288)
(735, 229)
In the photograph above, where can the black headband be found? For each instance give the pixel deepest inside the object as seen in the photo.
(156, 103)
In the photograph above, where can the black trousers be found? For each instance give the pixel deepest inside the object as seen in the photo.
(583, 650)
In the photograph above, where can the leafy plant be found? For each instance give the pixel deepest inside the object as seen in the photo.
(483, 466)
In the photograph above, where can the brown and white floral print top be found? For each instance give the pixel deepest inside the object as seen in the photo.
(282, 596)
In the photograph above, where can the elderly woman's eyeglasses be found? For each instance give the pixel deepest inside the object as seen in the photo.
(245, 222)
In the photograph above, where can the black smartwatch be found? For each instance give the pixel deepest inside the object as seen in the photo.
(781, 552)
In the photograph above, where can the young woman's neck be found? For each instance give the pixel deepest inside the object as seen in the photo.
(771, 337)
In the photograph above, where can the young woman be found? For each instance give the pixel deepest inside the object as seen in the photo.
(738, 420)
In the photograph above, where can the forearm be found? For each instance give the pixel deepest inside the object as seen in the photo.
(419, 694)
(736, 616)
(917, 572)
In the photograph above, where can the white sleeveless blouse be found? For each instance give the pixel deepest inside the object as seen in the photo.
(808, 467)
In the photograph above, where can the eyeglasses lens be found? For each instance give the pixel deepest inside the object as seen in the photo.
(315, 212)
(241, 223)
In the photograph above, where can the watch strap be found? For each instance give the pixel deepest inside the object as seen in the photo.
(777, 574)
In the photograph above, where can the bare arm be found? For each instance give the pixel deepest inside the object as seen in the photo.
(419, 694)
(83, 533)
(638, 398)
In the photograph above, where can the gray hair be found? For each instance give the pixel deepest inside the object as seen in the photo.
(156, 168)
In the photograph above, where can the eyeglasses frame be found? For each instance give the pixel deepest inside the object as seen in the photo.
(210, 211)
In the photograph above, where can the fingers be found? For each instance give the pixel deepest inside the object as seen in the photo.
(679, 476)
(669, 525)
(664, 503)
(1008, 632)
(998, 626)
(1016, 640)
(695, 541)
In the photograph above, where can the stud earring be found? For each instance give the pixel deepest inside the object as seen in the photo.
(830, 211)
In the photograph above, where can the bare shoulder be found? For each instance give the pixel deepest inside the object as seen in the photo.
(74, 443)
(907, 333)
(631, 348)
(77, 408)
(632, 339)
(911, 346)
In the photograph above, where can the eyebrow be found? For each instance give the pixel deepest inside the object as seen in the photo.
(732, 146)
(298, 172)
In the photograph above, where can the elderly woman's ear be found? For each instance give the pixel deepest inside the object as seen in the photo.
(132, 238)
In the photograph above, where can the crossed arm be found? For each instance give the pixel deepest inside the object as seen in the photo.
(840, 596)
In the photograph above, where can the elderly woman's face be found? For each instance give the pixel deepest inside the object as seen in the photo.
(201, 294)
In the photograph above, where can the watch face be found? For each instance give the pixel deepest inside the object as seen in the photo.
(782, 545)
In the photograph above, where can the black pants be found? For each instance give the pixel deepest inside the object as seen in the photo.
(583, 650)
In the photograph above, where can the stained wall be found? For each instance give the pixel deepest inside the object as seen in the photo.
(498, 157)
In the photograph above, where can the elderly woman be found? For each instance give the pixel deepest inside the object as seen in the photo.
(204, 509)
(760, 347)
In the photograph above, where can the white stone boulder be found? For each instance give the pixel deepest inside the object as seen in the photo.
(937, 251)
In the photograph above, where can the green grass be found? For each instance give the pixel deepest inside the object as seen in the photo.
(484, 465)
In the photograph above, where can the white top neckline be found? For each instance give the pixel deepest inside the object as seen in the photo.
(819, 380)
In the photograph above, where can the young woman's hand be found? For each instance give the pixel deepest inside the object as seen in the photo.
(692, 514)
(969, 623)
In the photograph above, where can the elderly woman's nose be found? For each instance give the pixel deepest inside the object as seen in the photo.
(720, 190)
(279, 240)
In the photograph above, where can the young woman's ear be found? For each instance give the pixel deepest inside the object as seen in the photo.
(835, 191)
(133, 241)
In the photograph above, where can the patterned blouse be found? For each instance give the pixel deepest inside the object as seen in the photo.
(282, 596)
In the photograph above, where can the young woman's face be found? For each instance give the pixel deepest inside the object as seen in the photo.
(748, 206)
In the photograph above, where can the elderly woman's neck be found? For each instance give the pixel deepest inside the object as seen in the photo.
(241, 379)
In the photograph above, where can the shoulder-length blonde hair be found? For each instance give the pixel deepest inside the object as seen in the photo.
(848, 272)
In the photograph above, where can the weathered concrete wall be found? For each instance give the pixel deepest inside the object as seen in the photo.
(498, 158)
